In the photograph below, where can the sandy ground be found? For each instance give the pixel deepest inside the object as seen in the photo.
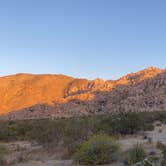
(47, 163)
(159, 134)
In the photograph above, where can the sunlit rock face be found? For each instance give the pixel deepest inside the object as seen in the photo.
(24, 90)
(39, 96)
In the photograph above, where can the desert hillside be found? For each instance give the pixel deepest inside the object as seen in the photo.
(24, 90)
(36, 96)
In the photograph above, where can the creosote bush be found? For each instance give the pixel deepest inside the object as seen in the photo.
(136, 154)
(99, 149)
(125, 123)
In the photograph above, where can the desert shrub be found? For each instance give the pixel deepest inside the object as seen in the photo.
(46, 131)
(75, 133)
(72, 132)
(136, 154)
(99, 149)
(131, 123)
(162, 147)
(13, 130)
(123, 123)
(3, 151)
(128, 123)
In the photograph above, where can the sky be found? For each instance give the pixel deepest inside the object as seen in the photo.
(82, 38)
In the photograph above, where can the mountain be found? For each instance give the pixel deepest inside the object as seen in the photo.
(24, 90)
(40, 96)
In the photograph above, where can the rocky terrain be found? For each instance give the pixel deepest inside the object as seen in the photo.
(26, 96)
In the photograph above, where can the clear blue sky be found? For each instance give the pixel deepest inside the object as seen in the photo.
(82, 38)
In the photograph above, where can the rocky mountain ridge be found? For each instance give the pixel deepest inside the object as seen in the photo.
(40, 96)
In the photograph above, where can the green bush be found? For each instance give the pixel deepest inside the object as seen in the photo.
(124, 123)
(129, 123)
(99, 149)
(75, 133)
(136, 154)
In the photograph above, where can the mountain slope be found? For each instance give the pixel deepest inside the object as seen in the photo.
(24, 90)
(37, 96)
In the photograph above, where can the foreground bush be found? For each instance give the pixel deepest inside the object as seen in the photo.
(99, 149)
(136, 154)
